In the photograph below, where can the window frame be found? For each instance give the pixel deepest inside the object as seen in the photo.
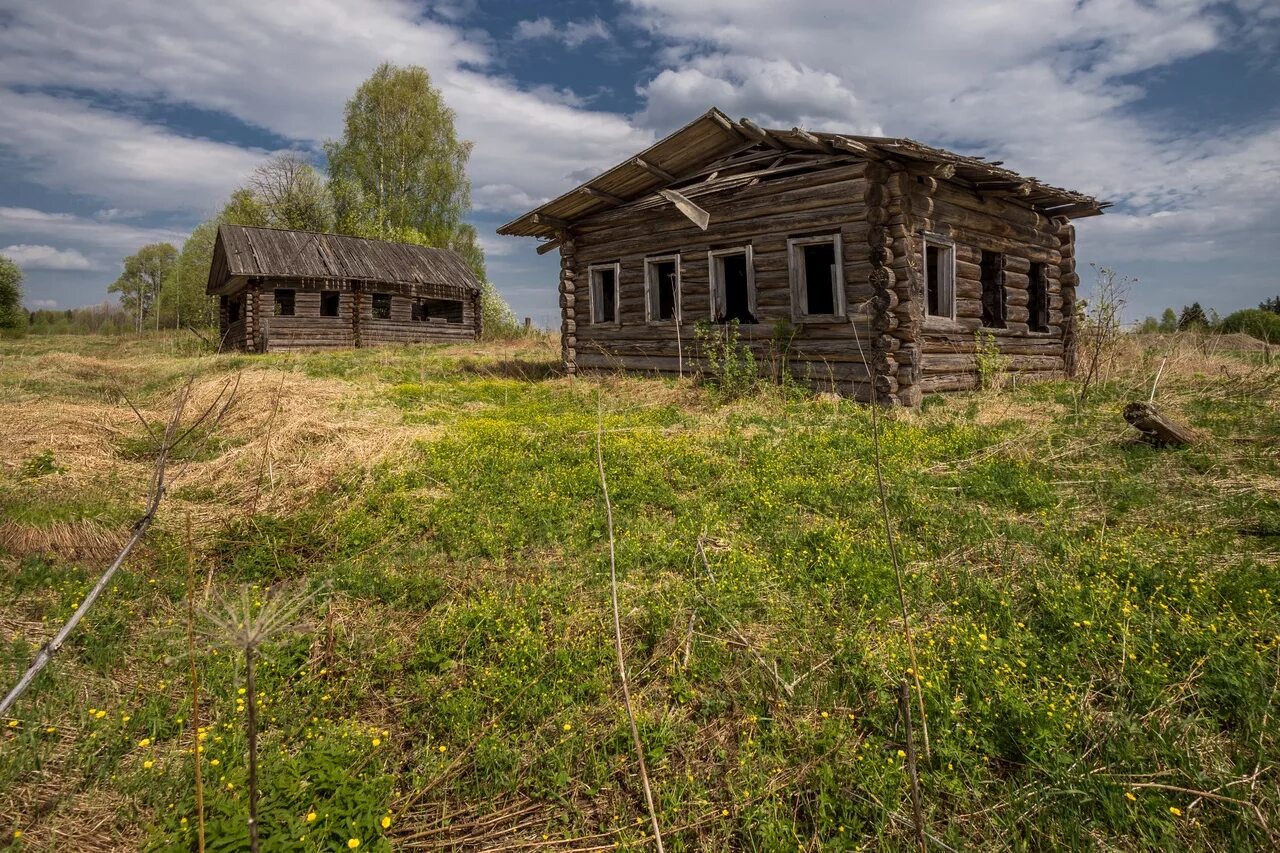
(277, 306)
(715, 276)
(373, 306)
(799, 286)
(650, 290)
(927, 239)
(592, 270)
(337, 303)
(1002, 290)
(1045, 300)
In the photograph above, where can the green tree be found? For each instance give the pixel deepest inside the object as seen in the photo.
(1169, 321)
(1272, 305)
(243, 208)
(139, 285)
(1192, 317)
(288, 192)
(182, 297)
(1148, 326)
(11, 314)
(399, 173)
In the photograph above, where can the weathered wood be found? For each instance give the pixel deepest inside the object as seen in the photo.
(1156, 428)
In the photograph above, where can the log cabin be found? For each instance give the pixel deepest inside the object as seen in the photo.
(280, 290)
(864, 265)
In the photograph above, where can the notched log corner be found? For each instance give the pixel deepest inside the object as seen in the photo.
(1156, 428)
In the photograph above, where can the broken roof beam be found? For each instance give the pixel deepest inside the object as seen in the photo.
(605, 196)
(809, 138)
(1002, 187)
(549, 246)
(657, 171)
(550, 221)
(759, 134)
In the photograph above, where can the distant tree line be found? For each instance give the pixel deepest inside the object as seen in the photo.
(1262, 322)
(397, 173)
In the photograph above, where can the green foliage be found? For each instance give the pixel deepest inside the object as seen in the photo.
(139, 285)
(992, 364)
(1149, 326)
(288, 192)
(11, 314)
(1091, 616)
(1192, 317)
(1272, 305)
(183, 301)
(731, 365)
(40, 465)
(1168, 321)
(399, 163)
(1263, 325)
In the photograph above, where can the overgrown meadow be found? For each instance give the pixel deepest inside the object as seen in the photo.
(1096, 621)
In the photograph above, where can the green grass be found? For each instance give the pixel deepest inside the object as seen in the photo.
(1096, 623)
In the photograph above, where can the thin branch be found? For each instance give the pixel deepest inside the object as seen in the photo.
(195, 686)
(617, 629)
(917, 810)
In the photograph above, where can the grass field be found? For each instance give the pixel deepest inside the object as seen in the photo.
(1097, 621)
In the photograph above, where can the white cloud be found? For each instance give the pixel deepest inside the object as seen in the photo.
(101, 242)
(1045, 86)
(571, 33)
(35, 256)
(68, 144)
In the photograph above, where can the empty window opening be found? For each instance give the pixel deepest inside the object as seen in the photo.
(939, 278)
(1038, 298)
(329, 300)
(604, 294)
(233, 310)
(436, 310)
(817, 281)
(381, 306)
(662, 288)
(733, 287)
(994, 302)
(284, 303)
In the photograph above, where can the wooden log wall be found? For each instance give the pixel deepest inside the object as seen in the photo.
(761, 217)
(947, 348)
(261, 329)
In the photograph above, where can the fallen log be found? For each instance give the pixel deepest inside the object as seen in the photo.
(1156, 428)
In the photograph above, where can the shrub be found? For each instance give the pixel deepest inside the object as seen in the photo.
(991, 363)
(1254, 321)
(733, 371)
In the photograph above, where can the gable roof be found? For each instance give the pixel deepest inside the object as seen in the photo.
(245, 251)
(674, 161)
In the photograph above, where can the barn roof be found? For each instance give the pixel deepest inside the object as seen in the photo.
(244, 251)
(715, 148)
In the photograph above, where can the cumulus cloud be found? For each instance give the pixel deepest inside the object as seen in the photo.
(571, 33)
(93, 238)
(34, 256)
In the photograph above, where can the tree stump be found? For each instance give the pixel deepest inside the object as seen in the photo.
(1156, 428)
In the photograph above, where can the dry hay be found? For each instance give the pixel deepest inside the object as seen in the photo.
(82, 539)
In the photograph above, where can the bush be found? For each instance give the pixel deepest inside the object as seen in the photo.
(1254, 321)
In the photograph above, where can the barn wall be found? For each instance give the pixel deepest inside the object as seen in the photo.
(947, 348)
(355, 325)
(763, 217)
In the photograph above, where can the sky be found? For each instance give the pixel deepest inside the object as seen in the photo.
(128, 122)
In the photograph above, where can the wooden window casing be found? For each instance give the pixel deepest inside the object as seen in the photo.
(939, 272)
(330, 300)
(727, 281)
(285, 301)
(436, 310)
(603, 293)
(662, 289)
(817, 278)
(380, 306)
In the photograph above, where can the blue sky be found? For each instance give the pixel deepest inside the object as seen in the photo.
(125, 123)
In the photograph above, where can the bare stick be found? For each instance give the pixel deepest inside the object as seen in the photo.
(617, 629)
(140, 528)
(893, 553)
(1156, 381)
(195, 685)
(917, 811)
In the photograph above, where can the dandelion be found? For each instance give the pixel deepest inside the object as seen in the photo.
(17, 833)
(1175, 811)
(311, 817)
(230, 786)
(213, 762)
(147, 765)
(50, 730)
(353, 843)
(145, 742)
(386, 821)
(901, 754)
(1128, 795)
(13, 724)
(825, 715)
(377, 741)
(568, 727)
(443, 749)
(98, 715)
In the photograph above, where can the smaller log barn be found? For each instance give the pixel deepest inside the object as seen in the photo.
(850, 259)
(281, 289)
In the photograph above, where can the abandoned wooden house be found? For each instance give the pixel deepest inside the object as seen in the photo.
(851, 260)
(282, 289)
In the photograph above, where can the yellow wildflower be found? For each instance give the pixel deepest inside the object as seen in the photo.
(147, 765)
(145, 742)
(1175, 811)
(386, 821)
(311, 817)
(1128, 795)
(353, 843)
